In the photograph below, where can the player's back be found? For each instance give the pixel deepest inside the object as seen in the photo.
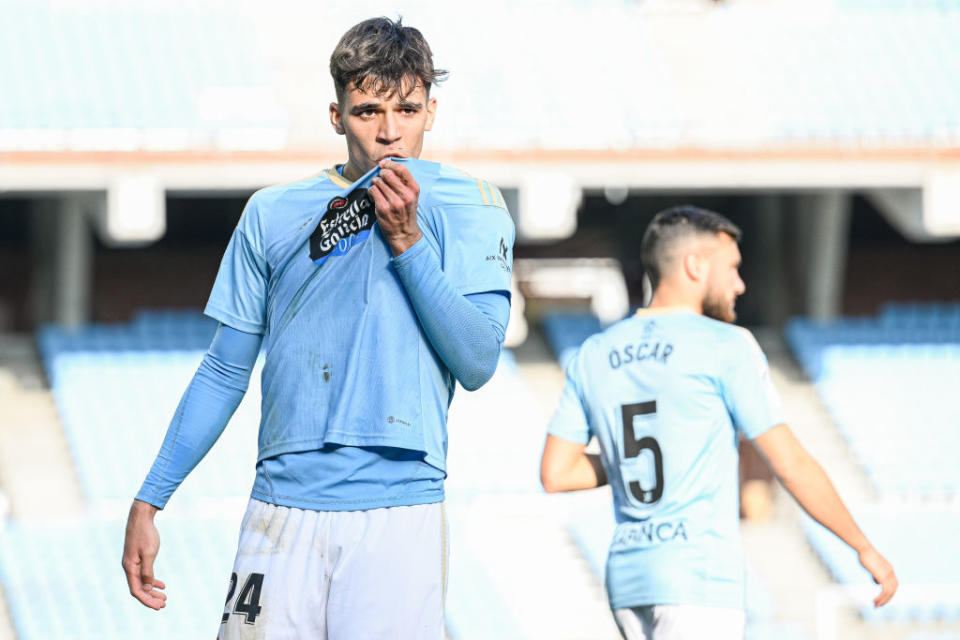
(660, 392)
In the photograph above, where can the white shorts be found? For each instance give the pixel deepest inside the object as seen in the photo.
(680, 622)
(338, 575)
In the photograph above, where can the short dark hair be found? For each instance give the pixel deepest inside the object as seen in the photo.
(675, 223)
(381, 56)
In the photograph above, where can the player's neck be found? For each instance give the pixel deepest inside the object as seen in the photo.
(667, 296)
(352, 172)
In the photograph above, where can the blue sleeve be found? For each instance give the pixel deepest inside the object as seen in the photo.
(570, 420)
(466, 333)
(204, 410)
(748, 391)
(474, 237)
(239, 295)
(478, 248)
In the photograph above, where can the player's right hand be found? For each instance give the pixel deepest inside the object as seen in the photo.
(882, 572)
(140, 548)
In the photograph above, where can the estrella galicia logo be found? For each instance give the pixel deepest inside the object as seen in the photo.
(346, 223)
(501, 257)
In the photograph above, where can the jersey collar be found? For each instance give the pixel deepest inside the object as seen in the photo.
(336, 178)
(656, 311)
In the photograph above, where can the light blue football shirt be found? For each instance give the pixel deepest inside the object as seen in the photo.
(665, 393)
(347, 362)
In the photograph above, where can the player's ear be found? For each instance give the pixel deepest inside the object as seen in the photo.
(431, 113)
(695, 266)
(336, 119)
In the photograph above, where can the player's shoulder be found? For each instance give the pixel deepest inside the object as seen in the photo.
(453, 186)
(735, 342)
(272, 207)
(736, 335)
(326, 180)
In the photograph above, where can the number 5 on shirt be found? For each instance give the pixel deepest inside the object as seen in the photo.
(642, 471)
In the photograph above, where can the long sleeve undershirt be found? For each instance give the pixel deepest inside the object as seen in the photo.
(466, 331)
(206, 406)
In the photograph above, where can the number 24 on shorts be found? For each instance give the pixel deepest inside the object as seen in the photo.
(248, 600)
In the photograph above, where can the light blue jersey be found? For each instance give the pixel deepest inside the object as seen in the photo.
(665, 393)
(347, 361)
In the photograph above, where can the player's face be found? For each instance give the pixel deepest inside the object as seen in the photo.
(723, 282)
(378, 126)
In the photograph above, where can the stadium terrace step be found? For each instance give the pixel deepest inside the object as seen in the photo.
(36, 471)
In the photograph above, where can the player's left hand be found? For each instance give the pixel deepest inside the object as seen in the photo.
(140, 547)
(883, 575)
(395, 195)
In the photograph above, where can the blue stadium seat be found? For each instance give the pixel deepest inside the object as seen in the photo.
(64, 581)
(116, 389)
(566, 331)
(886, 381)
(156, 82)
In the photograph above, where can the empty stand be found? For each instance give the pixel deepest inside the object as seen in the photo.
(855, 75)
(566, 331)
(64, 580)
(514, 570)
(479, 427)
(116, 389)
(158, 83)
(888, 383)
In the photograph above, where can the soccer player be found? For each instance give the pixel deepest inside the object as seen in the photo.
(666, 393)
(371, 287)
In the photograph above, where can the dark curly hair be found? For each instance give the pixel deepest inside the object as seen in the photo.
(671, 225)
(383, 56)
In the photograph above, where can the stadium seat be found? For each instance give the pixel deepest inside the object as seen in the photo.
(39, 562)
(116, 388)
(886, 381)
(566, 331)
(164, 81)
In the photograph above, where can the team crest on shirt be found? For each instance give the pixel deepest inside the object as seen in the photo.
(649, 328)
(346, 223)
